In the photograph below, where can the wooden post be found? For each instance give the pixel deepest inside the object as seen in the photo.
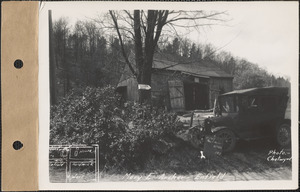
(192, 119)
(215, 105)
(53, 99)
(97, 162)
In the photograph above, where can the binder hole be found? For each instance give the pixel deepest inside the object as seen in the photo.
(17, 145)
(18, 64)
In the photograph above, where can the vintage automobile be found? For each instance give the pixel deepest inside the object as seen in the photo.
(251, 114)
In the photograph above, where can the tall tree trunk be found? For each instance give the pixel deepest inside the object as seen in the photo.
(139, 57)
(144, 71)
(145, 95)
(145, 68)
(143, 52)
(53, 98)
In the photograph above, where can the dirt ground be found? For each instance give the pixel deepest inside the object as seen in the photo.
(252, 160)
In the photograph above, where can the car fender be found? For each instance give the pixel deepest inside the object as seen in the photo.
(215, 129)
(286, 121)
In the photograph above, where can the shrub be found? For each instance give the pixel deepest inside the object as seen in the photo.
(124, 132)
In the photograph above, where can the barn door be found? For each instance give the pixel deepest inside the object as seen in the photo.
(176, 92)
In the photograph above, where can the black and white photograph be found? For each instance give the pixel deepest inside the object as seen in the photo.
(137, 95)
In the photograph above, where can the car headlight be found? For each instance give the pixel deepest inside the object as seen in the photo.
(208, 124)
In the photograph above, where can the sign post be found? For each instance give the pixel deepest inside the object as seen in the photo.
(141, 89)
(144, 87)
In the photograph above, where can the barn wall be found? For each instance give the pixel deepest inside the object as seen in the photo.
(160, 88)
(218, 86)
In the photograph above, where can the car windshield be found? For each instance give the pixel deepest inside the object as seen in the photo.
(227, 104)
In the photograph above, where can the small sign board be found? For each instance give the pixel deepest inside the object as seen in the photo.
(144, 87)
(58, 162)
(74, 163)
(58, 152)
(213, 146)
(82, 172)
(81, 153)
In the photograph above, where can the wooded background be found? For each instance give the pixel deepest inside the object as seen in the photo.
(86, 55)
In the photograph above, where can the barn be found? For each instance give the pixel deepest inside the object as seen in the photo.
(178, 85)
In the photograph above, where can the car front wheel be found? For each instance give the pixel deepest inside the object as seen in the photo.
(228, 138)
(283, 135)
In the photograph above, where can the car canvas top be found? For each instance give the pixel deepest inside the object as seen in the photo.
(263, 90)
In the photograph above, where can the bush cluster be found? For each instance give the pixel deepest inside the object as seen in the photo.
(125, 132)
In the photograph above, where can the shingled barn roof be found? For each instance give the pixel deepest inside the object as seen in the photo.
(201, 68)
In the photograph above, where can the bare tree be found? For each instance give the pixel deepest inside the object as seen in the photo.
(226, 62)
(146, 27)
(185, 47)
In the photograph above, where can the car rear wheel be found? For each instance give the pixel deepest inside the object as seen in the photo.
(283, 135)
(228, 138)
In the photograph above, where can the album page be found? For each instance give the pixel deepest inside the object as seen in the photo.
(168, 95)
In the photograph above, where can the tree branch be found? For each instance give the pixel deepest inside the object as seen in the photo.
(163, 15)
(129, 15)
(187, 17)
(121, 43)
